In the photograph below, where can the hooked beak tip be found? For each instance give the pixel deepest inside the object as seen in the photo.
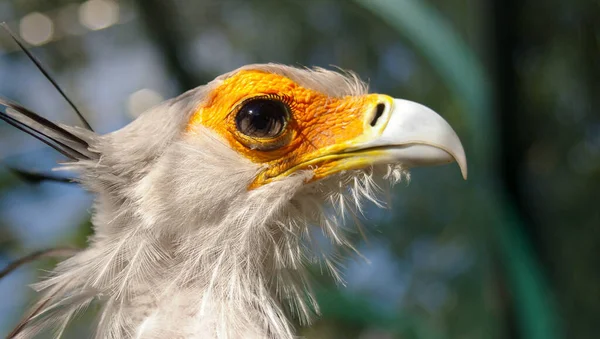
(417, 136)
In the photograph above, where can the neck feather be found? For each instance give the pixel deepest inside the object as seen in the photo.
(179, 255)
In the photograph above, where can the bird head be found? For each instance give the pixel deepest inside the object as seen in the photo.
(210, 199)
(323, 122)
(262, 126)
(264, 145)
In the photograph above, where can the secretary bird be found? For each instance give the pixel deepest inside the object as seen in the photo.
(206, 205)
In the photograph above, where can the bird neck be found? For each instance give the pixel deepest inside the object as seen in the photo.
(233, 266)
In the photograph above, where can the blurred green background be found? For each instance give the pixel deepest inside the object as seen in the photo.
(514, 252)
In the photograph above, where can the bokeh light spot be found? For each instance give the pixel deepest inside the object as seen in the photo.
(98, 14)
(36, 28)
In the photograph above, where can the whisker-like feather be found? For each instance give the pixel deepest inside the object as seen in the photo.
(36, 178)
(38, 135)
(46, 75)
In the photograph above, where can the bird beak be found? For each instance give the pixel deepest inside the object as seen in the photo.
(392, 131)
(411, 134)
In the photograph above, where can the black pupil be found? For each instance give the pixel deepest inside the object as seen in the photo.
(262, 118)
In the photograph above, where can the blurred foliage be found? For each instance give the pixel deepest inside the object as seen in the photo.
(518, 80)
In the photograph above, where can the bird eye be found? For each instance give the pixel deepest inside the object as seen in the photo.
(262, 118)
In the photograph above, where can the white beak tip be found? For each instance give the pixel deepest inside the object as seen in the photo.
(461, 160)
(463, 171)
(413, 123)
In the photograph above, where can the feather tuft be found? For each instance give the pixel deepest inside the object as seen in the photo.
(182, 248)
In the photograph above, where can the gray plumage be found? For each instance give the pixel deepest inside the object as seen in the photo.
(181, 248)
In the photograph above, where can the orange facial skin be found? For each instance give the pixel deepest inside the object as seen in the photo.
(319, 129)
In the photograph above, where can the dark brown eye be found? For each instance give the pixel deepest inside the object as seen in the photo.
(262, 118)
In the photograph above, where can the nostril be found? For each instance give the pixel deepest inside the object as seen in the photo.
(378, 113)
